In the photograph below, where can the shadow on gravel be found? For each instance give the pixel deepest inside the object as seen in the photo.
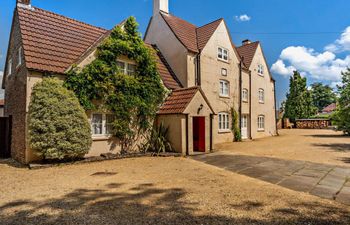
(328, 136)
(145, 204)
(335, 147)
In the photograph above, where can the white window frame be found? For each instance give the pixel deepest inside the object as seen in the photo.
(245, 95)
(223, 54)
(261, 96)
(224, 122)
(9, 67)
(261, 69)
(104, 124)
(19, 56)
(126, 70)
(224, 89)
(224, 72)
(261, 123)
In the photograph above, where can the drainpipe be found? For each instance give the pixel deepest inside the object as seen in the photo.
(250, 104)
(240, 95)
(211, 132)
(274, 91)
(187, 136)
(198, 69)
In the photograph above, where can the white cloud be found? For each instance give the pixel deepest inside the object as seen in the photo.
(342, 44)
(321, 66)
(1, 90)
(243, 18)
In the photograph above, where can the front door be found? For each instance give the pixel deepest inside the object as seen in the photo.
(244, 127)
(199, 134)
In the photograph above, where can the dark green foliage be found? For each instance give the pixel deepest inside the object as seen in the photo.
(342, 116)
(299, 104)
(58, 125)
(158, 141)
(235, 126)
(322, 95)
(134, 99)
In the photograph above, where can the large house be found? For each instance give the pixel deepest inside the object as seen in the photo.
(206, 74)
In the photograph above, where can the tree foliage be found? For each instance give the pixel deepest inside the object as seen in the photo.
(322, 95)
(299, 103)
(133, 99)
(235, 126)
(342, 116)
(58, 125)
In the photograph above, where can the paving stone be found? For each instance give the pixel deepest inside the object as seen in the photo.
(324, 191)
(332, 181)
(255, 172)
(343, 172)
(344, 196)
(311, 173)
(299, 183)
(272, 178)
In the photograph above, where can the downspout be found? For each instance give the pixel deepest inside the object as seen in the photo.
(275, 113)
(240, 95)
(198, 69)
(211, 132)
(187, 136)
(250, 104)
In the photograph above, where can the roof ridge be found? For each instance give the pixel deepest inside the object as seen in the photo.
(220, 19)
(66, 17)
(169, 14)
(255, 42)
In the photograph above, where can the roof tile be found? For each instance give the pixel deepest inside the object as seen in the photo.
(178, 101)
(247, 51)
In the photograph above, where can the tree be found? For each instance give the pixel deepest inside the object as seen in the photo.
(342, 116)
(322, 95)
(299, 104)
(132, 98)
(58, 126)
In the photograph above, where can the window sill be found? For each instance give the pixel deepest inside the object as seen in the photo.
(263, 130)
(244, 101)
(261, 75)
(101, 137)
(224, 131)
(261, 102)
(224, 96)
(223, 60)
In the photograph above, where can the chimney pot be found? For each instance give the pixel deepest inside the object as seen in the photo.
(246, 42)
(160, 6)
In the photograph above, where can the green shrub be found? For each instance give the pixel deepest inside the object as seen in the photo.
(158, 140)
(58, 126)
(235, 126)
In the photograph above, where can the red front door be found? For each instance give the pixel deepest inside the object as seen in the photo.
(199, 134)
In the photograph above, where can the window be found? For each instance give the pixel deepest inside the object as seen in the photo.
(224, 88)
(102, 124)
(261, 123)
(224, 122)
(126, 68)
(224, 72)
(9, 67)
(245, 95)
(222, 54)
(261, 96)
(19, 56)
(261, 70)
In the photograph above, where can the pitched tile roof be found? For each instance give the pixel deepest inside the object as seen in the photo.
(52, 42)
(166, 73)
(247, 52)
(330, 108)
(192, 37)
(178, 101)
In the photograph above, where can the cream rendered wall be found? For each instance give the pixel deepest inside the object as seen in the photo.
(211, 76)
(268, 108)
(245, 85)
(175, 53)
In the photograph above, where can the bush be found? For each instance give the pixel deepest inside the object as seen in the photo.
(234, 126)
(158, 141)
(58, 126)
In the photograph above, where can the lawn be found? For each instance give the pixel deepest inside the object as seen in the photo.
(154, 191)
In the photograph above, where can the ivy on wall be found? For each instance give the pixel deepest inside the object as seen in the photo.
(102, 85)
(235, 126)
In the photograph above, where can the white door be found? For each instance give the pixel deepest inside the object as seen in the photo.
(244, 127)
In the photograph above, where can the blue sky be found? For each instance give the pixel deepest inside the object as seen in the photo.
(298, 34)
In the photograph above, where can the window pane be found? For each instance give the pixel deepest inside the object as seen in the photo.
(220, 119)
(97, 124)
(131, 69)
(9, 67)
(121, 65)
(109, 123)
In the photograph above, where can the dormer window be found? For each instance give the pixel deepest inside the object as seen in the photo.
(127, 68)
(19, 55)
(9, 67)
(222, 54)
(261, 70)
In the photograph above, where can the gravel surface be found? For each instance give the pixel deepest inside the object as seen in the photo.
(153, 191)
(320, 146)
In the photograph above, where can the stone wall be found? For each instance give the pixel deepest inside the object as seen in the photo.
(312, 124)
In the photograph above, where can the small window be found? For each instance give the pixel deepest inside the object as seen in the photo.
(261, 96)
(121, 66)
(224, 72)
(19, 54)
(102, 124)
(222, 54)
(126, 68)
(261, 70)
(131, 69)
(9, 67)
(224, 122)
(224, 88)
(245, 95)
(261, 123)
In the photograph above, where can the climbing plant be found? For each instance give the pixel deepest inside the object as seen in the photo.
(103, 85)
(235, 126)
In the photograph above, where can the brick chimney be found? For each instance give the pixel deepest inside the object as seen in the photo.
(246, 42)
(24, 2)
(160, 5)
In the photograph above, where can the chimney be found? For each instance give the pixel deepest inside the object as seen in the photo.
(23, 2)
(246, 42)
(160, 5)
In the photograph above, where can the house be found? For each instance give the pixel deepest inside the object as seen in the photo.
(205, 73)
(329, 109)
(2, 105)
(230, 76)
